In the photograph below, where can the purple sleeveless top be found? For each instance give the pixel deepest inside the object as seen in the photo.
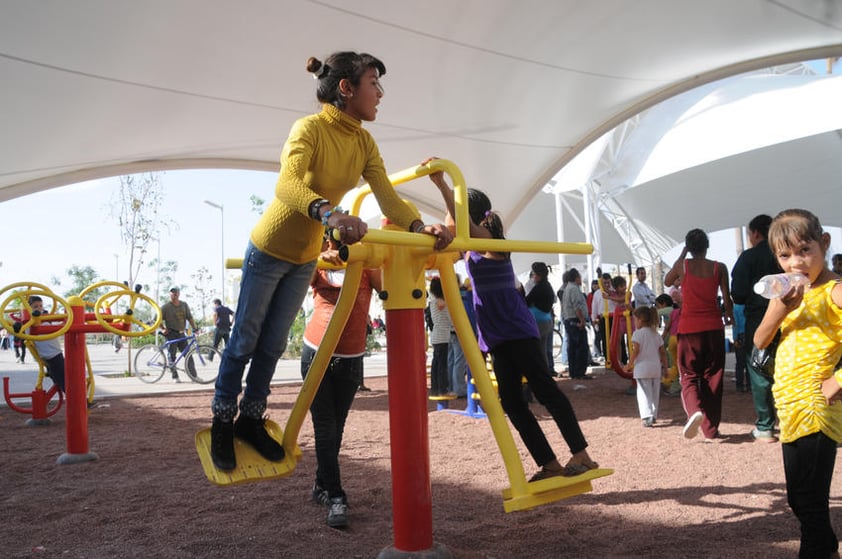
(501, 310)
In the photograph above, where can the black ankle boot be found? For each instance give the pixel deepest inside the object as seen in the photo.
(222, 445)
(253, 431)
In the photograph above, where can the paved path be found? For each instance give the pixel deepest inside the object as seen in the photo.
(109, 367)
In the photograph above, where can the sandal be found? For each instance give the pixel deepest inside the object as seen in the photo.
(572, 470)
(544, 473)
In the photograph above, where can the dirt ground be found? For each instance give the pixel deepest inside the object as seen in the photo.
(147, 496)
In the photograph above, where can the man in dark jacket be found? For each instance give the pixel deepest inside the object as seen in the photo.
(752, 265)
(222, 319)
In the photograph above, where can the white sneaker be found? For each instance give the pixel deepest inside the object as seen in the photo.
(691, 428)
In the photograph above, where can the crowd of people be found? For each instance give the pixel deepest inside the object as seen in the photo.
(679, 341)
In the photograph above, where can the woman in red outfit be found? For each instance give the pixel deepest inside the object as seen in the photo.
(701, 334)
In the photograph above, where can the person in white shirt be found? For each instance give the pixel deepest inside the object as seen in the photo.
(643, 295)
(648, 362)
(49, 350)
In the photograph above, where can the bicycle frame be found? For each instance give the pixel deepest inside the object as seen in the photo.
(152, 360)
(165, 348)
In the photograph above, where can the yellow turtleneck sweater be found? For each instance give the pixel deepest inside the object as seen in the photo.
(324, 157)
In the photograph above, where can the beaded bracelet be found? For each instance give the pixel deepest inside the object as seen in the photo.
(327, 214)
(316, 206)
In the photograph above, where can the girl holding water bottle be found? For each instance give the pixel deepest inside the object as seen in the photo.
(806, 390)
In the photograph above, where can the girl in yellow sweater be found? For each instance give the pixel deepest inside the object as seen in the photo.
(806, 390)
(323, 158)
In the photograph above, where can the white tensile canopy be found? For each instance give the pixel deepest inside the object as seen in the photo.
(511, 91)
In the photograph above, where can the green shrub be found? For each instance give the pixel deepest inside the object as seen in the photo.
(371, 344)
(296, 337)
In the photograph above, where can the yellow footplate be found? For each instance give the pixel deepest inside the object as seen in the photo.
(251, 466)
(551, 489)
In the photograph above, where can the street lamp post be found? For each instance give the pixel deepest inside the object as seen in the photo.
(157, 281)
(158, 273)
(221, 246)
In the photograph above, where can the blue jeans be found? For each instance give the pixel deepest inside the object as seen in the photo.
(271, 293)
(329, 411)
(577, 348)
(456, 364)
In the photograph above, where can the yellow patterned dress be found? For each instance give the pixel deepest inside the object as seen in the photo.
(810, 347)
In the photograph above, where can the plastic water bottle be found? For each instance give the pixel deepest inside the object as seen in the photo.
(776, 285)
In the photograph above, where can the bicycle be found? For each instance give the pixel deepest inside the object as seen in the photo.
(200, 361)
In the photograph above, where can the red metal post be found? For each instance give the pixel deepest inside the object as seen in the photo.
(411, 495)
(76, 415)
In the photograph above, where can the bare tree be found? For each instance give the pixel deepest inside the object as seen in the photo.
(166, 274)
(137, 211)
(202, 280)
(136, 208)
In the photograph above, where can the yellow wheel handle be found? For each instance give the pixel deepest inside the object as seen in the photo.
(21, 292)
(91, 288)
(22, 286)
(89, 381)
(105, 319)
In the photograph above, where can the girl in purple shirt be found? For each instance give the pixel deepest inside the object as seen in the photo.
(508, 331)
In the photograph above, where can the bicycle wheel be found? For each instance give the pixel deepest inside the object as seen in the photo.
(150, 363)
(202, 364)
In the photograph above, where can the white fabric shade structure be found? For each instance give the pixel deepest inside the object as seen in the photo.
(510, 91)
(714, 158)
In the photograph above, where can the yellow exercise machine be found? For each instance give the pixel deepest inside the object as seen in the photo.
(403, 258)
(68, 318)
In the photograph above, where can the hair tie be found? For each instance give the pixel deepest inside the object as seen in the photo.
(323, 69)
(487, 213)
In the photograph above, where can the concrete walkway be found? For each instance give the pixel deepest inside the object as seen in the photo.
(109, 368)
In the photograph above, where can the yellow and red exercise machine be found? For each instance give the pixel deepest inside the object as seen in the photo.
(403, 258)
(113, 312)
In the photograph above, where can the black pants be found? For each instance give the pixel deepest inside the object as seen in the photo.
(20, 350)
(55, 369)
(178, 346)
(329, 411)
(220, 334)
(518, 358)
(808, 465)
(439, 373)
